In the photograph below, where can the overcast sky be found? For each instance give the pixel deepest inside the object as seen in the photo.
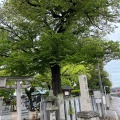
(113, 67)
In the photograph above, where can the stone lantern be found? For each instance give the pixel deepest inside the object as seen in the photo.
(66, 91)
(51, 106)
(5, 113)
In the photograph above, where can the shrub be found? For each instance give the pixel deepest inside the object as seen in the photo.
(75, 92)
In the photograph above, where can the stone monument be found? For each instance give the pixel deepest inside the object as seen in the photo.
(85, 99)
(86, 108)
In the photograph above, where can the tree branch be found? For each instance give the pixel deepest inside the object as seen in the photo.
(10, 29)
(92, 22)
(31, 4)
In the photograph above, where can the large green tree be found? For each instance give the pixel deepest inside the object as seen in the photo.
(44, 33)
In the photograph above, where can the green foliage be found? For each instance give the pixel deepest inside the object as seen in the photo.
(42, 80)
(75, 92)
(43, 34)
(93, 81)
(70, 72)
(47, 94)
(54, 13)
(6, 93)
(13, 102)
(70, 111)
(93, 50)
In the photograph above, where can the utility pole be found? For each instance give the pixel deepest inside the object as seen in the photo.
(102, 93)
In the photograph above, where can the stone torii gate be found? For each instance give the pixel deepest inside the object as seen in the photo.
(18, 87)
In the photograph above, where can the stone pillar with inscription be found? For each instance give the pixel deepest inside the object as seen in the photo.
(85, 99)
(86, 108)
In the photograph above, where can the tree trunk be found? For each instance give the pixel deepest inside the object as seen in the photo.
(56, 80)
(31, 103)
(30, 98)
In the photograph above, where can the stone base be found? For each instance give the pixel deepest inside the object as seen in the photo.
(96, 118)
(5, 117)
(5, 113)
(88, 115)
(24, 114)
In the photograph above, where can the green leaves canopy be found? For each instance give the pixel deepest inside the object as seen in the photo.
(94, 50)
(43, 33)
(46, 32)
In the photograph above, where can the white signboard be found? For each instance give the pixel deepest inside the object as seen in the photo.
(2, 82)
(66, 92)
(97, 94)
(98, 100)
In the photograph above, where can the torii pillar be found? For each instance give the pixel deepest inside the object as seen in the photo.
(18, 89)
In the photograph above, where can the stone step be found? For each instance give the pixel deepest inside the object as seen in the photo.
(112, 115)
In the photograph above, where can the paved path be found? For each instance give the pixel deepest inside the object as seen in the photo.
(114, 112)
